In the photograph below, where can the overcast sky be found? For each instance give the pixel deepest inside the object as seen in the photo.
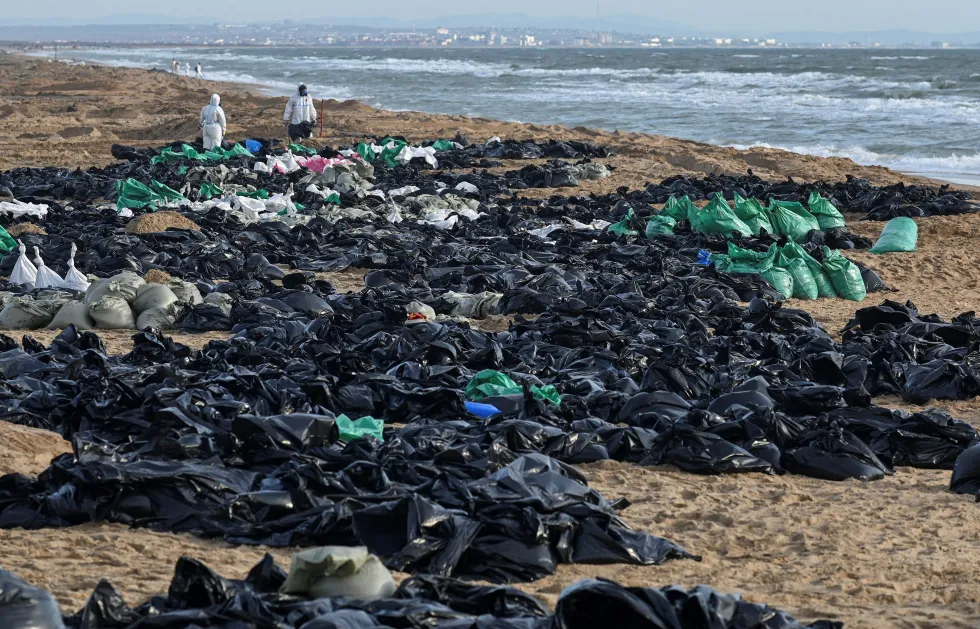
(727, 15)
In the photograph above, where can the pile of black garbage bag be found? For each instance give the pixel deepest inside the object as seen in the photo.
(199, 597)
(239, 439)
(919, 357)
(855, 195)
(498, 251)
(654, 358)
(486, 155)
(877, 203)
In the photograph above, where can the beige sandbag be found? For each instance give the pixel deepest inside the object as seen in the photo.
(331, 571)
(124, 285)
(26, 313)
(221, 300)
(186, 292)
(75, 313)
(372, 582)
(152, 296)
(112, 313)
(158, 318)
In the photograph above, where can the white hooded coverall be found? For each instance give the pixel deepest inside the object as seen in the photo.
(212, 123)
(299, 109)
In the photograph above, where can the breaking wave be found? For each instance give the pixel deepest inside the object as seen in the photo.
(924, 109)
(965, 164)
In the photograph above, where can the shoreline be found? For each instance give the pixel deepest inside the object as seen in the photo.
(939, 177)
(80, 43)
(695, 158)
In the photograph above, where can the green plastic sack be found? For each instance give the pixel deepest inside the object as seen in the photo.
(134, 194)
(258, 194)
(351, 429)
(387, 154)
(625, 226)
(131, 193)
(167, 193)
(899, 235)
(491, 383)
(791, 219)
(845, 275)
(780, 279)
(792, 251)
(741, 260)
(210, 190)
(240, 151)
(679, 209)
(299, 149)
(751, 212)
(365, 151)
(218, 154)
(169, 155)
(660, 226)
(213, 155)
(443, 145)
(7, 242)
(826, 214)
(804, 286)
(718, 218)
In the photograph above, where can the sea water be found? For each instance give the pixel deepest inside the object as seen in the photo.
(917, 111)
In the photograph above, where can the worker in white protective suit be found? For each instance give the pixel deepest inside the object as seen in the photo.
(199, 71)
(212, 123)
(300, 115)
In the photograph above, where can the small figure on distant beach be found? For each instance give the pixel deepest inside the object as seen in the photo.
(300, 115)
(199, 71)
(212, 123)
(187, 68)
(175, 66)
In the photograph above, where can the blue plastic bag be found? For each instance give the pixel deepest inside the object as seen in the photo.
(482, 411)
(253, 146)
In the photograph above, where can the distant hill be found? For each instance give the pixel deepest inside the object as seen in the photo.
(141, 19)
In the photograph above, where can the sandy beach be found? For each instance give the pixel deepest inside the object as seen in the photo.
(894, 553)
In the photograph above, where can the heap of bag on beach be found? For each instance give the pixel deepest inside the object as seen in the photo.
(269, 597)
(398, 417)
(790, 269)
(749, 217)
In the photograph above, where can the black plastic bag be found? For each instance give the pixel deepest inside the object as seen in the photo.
(966, 472)
(25, 607)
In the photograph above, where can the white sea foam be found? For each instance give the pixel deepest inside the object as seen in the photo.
(822, 107)
(951, 164)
